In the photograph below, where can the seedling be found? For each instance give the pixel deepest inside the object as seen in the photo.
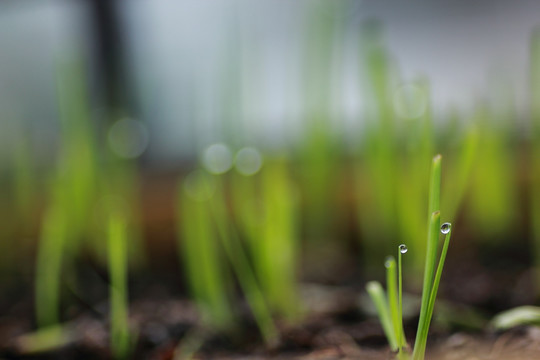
(241, 266)
(206, 277)
(49, 266)
(268, 216)
(120, 336)
(390, 309)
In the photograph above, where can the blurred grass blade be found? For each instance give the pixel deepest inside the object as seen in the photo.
(119, 303)
(243, 269)
(49, 267)
(432, 298)
(431, 252)
(45, 340)
(199, 249)
(378, 297)
(520, 316)
(393, 299)
(431, 255)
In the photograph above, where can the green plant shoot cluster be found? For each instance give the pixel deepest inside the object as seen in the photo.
(389, 308)
(252, 241)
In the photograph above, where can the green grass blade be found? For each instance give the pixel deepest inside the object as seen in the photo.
(205, 269)
(120, 337)
(431, 254)
(378, 297)
(49, 266)
(393, 298)
(242, 267)
(433, 228)
(435, 186)
(278, 241)
(401, 333)
(433, 296)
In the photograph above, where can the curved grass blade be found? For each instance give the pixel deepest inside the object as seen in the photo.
(378, 297)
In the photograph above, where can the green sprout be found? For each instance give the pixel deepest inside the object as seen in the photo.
(120, 336)
(239, 259)
(208, 233)
(50, 258)
(268, 216)
(376, 292)
(389, 308)
(199, 249)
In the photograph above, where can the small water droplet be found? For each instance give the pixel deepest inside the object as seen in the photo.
(445, 228)
(388, 261)
(403, 248)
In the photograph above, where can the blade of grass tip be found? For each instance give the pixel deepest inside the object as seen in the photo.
(376, 292)
(433, 295)
(431, 254)
(393, 299)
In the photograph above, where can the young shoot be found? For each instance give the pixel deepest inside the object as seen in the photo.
(120, 336)
(390, 309)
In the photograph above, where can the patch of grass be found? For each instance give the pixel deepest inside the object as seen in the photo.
(199, 247)
(219, 235)
(390, 308)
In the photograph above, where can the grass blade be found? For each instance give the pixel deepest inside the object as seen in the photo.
(394, 302)
(120, 337)
(431, 254)
(49, 267)
(432, 297)
(432, 238)
(242, 267)
(401, 333)
(378, 297)
(391, 288)
(199, 251)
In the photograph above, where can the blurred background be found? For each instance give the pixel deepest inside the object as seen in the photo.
(233, 159)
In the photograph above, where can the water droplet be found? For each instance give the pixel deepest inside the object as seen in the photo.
(445, 228)
(388, 261)
(403, 248)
